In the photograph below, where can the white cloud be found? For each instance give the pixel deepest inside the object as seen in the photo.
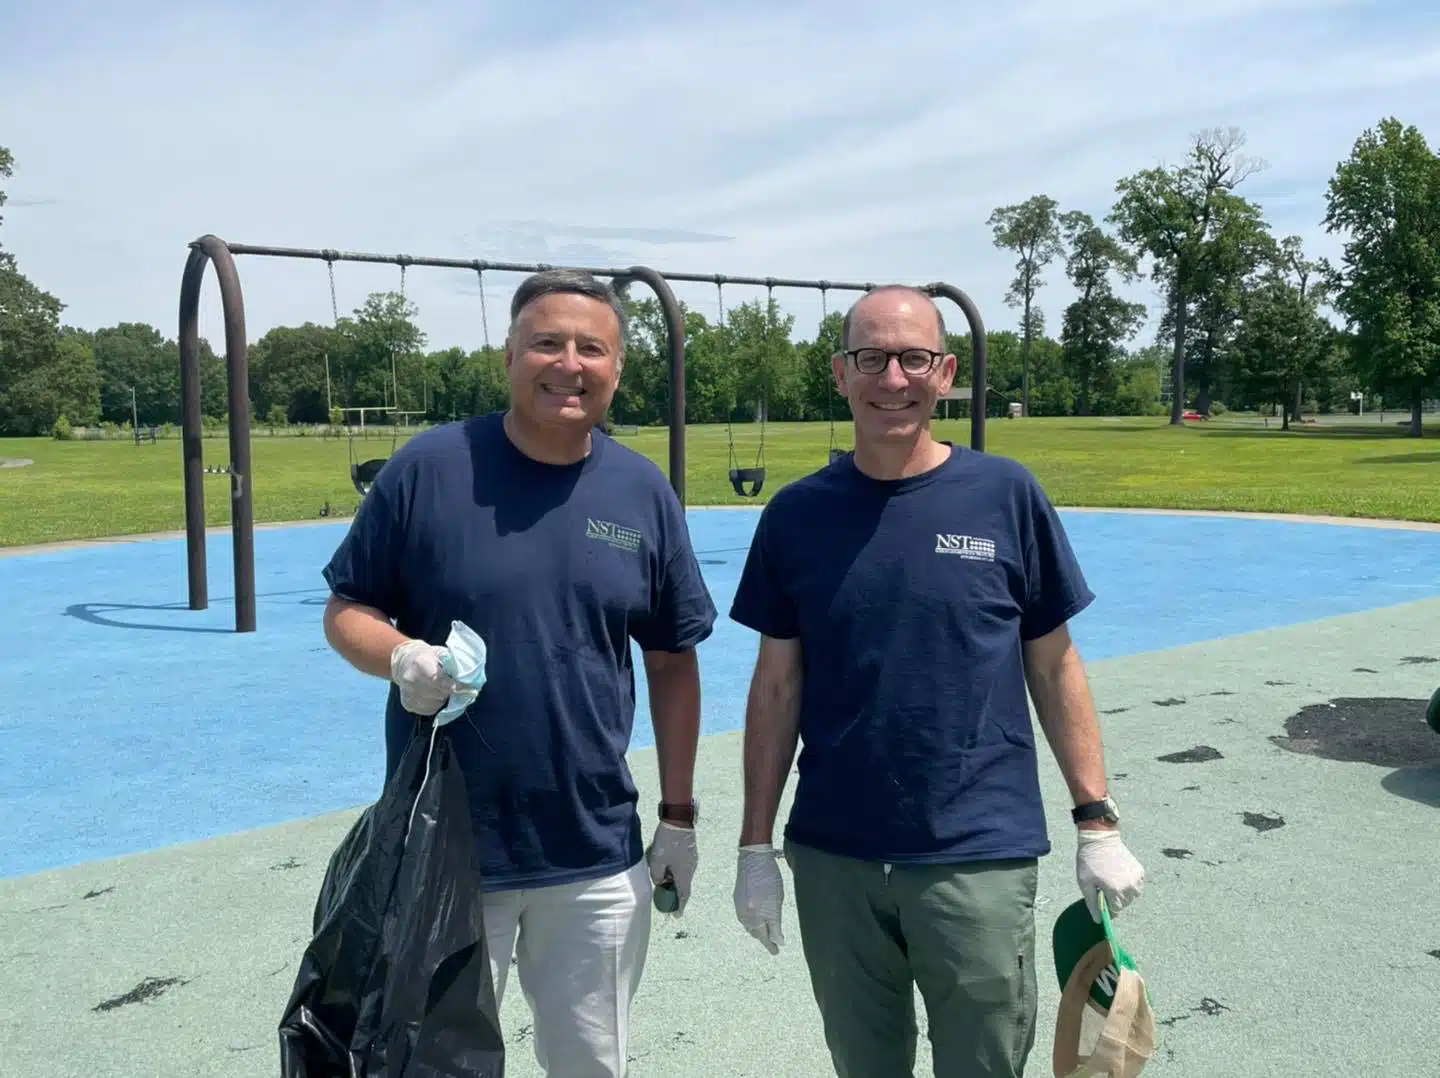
(833, 141)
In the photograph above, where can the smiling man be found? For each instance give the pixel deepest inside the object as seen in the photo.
(559, 546)
(905, 597)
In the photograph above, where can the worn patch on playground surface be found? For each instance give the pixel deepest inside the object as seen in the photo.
(1389, 731)
(15, 462)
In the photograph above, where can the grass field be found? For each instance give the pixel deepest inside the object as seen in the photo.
(82, 490)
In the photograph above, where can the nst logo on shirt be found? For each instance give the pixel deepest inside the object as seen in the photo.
(617, 535)
(966, 546)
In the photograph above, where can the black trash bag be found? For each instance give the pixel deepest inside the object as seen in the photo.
(396, 982)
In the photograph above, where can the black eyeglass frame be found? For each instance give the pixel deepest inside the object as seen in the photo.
(931, 358)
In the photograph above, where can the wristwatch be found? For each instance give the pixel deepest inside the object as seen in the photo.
(682, 814)
(1104, 809)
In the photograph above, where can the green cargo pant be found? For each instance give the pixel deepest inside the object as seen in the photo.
(964, 934)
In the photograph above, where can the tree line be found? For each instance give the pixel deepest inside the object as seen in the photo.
(1248, 320)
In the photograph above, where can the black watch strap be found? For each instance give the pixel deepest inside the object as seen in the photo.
(683, 814)
(1103, 809)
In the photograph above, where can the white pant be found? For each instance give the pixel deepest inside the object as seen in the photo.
(580, 953)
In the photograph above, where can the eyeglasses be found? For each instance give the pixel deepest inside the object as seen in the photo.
(912, 360)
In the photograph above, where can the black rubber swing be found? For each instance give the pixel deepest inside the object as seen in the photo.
(747, 481)
(364, 473)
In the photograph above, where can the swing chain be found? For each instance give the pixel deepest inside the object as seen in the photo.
(765, 388)
(720, 307)
(829, 390)
(484, 317)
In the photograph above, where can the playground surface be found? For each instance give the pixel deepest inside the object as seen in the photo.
(174, 792)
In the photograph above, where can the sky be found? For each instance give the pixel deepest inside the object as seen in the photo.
(831, 140)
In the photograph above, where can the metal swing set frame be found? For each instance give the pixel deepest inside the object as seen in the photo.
(212, 250)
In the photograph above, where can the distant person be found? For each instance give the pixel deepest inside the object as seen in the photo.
(559, 546)
(906, 595)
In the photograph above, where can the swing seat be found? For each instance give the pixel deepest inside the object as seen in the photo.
(363, 474)
(747, 481)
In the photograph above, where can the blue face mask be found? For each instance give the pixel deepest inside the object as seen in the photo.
(466, 664)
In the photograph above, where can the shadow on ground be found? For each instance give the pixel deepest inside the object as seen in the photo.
(1403, 458)
(1420, 784)
(1376, 433)
(96, 613)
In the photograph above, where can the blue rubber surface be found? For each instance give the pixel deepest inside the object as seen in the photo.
(131, 722)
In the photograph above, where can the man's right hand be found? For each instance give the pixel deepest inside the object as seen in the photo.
(418, 669)
(760, 894)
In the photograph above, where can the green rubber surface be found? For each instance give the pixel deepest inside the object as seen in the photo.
(1308, 948)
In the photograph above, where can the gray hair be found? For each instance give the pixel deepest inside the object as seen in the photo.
(917, 292)
(557, 281)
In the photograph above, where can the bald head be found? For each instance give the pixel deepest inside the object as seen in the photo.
(888, 301)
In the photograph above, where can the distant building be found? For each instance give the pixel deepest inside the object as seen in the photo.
(945, 406)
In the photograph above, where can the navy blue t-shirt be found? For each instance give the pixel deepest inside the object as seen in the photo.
(911, 599)
(557, 568)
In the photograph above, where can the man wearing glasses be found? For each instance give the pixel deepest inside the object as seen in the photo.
(906, 597)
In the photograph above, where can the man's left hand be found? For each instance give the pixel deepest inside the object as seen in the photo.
(673, 852)
(1104, 864)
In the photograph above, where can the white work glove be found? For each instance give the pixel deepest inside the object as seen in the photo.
(760, 894)
(1104, 864)
(674, 854)
(418, 669)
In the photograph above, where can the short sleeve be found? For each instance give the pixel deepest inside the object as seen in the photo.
(761, 601)
(365, 567)
(682, 614)
(1056, 589)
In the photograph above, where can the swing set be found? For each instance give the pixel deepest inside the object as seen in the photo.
(212, 250)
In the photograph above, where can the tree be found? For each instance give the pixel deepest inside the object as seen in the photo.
(768, 378)
(1032, 230)
(463, 383)
(1386, 197)
(1169, 214)
(43, 374)
(378, 341)
(137, 364)
(29, 350)
(291, 368)
(7, 169)
(1239, 249)
(1282, 340)
(1098, 320)
(74, 388)
(820, 398)
(644, 392)
(1138, 380)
